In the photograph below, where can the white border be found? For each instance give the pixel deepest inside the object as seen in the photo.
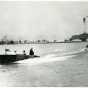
(45, 0)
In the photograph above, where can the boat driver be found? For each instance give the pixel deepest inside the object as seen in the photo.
(31, 52)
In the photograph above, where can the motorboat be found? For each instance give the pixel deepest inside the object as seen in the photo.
(12, 57)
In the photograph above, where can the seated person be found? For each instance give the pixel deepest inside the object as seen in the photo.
(31, 52)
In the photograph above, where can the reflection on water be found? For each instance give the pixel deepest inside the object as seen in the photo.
(53, 68)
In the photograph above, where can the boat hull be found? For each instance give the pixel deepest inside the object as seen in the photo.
(5, 59)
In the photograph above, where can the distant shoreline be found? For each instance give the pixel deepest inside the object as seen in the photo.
(45, 43)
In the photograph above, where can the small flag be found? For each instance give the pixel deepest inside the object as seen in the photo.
(7, 49)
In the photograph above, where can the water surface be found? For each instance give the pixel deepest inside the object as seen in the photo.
(56, 66)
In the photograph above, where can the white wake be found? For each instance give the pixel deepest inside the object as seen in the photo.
(46, 59)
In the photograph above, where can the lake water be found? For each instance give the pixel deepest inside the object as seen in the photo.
(59, 65)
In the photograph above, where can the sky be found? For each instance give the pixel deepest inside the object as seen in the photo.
(49, 20)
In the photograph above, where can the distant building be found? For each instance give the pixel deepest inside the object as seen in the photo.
(83, 37)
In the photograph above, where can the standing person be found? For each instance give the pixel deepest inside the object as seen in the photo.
(31, 52)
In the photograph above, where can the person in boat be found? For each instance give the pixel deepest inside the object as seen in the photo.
(31, 52)
(86, 46)
(15, 52)
(24, 52)
(85, 49)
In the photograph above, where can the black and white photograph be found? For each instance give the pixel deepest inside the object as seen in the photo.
(43, 43)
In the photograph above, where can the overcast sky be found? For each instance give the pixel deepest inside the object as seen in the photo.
(42, 20)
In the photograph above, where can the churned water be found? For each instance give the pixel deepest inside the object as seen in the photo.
(59, 65)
